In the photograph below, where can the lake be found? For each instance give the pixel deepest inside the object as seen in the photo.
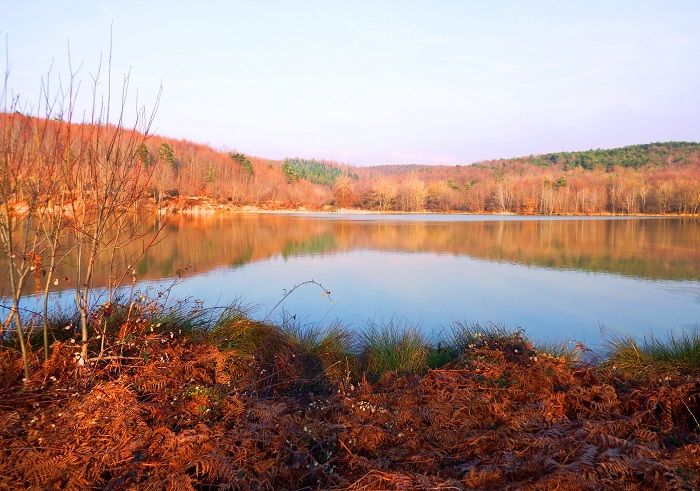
(558, 278)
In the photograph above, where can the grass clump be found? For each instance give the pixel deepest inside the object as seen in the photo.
(62, 325)
(184, 318)
(561, 350)
(440, 354)
(466, 336)
(395, 346)
(465, 340)
(235, 330)
(331, 343)
(652, 357)
(468, 340)
(327, 352)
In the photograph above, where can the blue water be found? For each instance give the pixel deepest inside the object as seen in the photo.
(433, 290)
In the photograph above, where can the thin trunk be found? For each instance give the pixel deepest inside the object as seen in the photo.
(16, 284)
(17, 277)
(52, 237)
(84, 293)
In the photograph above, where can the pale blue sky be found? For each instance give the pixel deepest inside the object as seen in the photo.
(384, 82)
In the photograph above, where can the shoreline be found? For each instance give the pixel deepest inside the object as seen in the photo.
(242, 407)
(198, 205)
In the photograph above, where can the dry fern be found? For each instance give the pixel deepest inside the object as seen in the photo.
(188, 416)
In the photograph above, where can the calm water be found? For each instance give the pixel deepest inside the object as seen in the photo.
(557, 278)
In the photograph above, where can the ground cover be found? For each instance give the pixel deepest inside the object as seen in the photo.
(181, 399)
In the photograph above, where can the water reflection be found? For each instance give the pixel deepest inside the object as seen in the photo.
(554, 277)
(644, 248)
(435, 289)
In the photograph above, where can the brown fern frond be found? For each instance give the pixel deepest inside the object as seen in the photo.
(588, 456)
(233, 408)
(61, 362)
(613, 464)
(178, 482)
(482, 477)
(376, 481)
(214, 468)
(261, 411)
(606, 440)
(406, 416)
(370, 437)
(264, 465)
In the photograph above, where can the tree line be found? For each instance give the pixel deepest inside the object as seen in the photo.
(656, 178)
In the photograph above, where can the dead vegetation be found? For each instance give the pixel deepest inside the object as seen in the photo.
(172, 412)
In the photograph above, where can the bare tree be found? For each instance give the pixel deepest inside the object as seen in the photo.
(384, 193)
(107, 182)
(70, 188)
(19, 196)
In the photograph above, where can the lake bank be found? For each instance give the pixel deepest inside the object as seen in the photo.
(164, 408)
(203, 205)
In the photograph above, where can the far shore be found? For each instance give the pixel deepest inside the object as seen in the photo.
(200, 205)
(208, 207)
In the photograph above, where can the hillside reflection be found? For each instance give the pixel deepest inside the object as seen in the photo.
(645, 248)
(656, 248)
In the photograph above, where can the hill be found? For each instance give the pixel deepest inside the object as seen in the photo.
(653, 178)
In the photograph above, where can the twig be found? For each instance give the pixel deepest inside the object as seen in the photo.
(287, 293)
(100, 358)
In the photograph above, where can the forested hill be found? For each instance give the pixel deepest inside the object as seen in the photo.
(656, 178)
(635, 156)
(653, 178)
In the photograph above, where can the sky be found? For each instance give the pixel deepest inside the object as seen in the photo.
(371, 82)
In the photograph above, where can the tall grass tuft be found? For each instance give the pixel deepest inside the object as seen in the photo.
(675, 355)
(234, 330)
(327, 352)
(187, 318)
(62, 324)
(440, 354)
(465, 336)
(395, 346)
(564, 350)
(476, 339)
(329, 343)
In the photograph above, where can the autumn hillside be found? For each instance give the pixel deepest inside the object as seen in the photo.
(655, 178)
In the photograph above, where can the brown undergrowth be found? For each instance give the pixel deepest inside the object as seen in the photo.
(175, 414)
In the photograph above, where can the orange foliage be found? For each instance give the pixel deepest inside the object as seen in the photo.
(188, 416)
(671, 185)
